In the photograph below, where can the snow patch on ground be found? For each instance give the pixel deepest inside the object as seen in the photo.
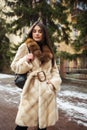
(2, 76)
(76, 110)
(74, 94)
(11, 94)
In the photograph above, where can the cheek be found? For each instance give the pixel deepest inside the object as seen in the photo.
(41, 36)
(33, 35)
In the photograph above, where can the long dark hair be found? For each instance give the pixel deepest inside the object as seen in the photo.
(46, 40)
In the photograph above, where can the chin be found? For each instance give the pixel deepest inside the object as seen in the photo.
(37, 40)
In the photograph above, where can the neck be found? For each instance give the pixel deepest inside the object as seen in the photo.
(40, 44)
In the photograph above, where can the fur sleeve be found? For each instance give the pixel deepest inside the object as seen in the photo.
(19, 64)
(56, 80)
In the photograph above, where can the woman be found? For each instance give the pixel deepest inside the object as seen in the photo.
(38, 99)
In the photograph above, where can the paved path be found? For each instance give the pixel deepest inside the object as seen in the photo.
(9, 100)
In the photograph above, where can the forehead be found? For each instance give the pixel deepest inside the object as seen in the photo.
(37, 27)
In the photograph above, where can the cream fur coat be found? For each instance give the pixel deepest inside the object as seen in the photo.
(38, 101)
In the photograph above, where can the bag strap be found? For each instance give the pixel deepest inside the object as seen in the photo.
(28, 49)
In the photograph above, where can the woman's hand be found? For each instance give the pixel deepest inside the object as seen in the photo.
(50, 84)
(29, 57)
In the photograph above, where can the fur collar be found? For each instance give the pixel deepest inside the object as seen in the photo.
(43, 54)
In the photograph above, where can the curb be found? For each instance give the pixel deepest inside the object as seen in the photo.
(72, 80)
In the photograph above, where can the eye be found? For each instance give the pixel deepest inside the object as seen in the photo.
(40, 31)
(34, 31)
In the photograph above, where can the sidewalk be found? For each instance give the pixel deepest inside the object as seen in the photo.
(8, 114)
(8, 109)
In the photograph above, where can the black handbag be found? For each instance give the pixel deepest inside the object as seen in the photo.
(20, 80)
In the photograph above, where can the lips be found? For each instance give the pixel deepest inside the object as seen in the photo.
(37, 37)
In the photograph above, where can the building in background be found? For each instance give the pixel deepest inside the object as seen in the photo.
(78, 66)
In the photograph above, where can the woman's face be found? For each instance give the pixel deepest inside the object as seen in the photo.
(37, 34)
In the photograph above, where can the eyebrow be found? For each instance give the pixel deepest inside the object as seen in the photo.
(38, 30)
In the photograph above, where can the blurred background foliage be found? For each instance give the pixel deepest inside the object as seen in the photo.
(16, 15)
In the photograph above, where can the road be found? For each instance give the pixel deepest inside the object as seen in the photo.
(71, 101)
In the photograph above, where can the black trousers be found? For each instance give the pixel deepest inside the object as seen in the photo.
(42, 129)
(25, 128)
(21, 127)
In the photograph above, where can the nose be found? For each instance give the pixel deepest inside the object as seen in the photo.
(37, 32)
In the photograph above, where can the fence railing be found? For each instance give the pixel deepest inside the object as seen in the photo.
(76, 70)
(80, 73)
